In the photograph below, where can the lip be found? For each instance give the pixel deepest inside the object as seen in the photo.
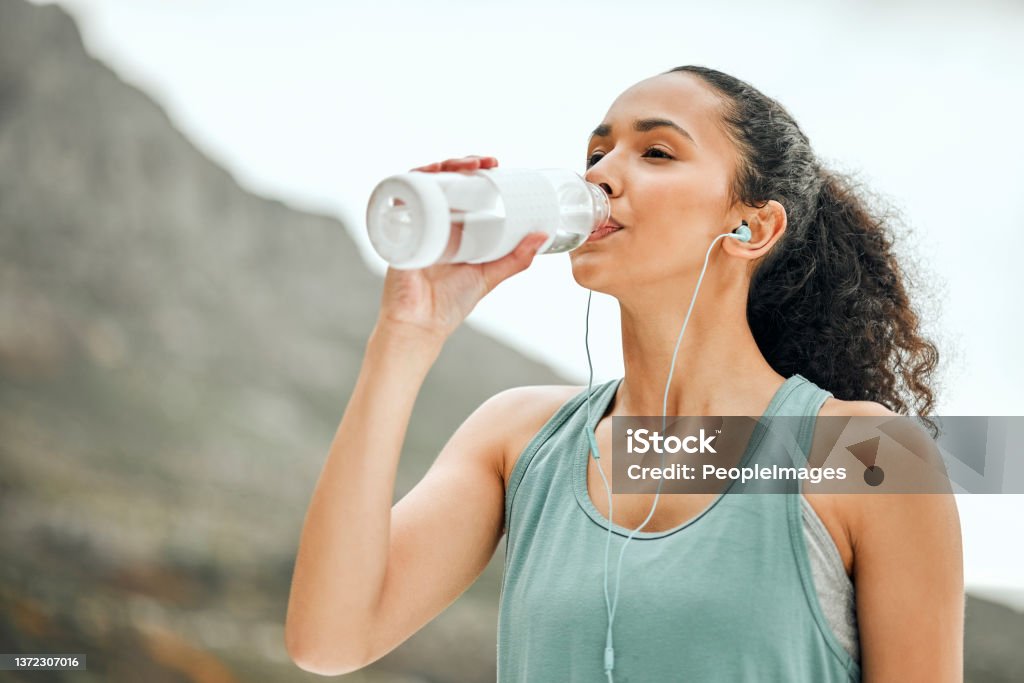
(602, 232)
(612, 223)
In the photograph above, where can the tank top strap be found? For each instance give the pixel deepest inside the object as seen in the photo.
(804, 401)
(570, 419)
(784, 435)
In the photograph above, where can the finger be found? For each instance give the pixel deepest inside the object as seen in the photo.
(484, 162)
(429, 168)
(462, 164)
(470, 163)
(495, 272)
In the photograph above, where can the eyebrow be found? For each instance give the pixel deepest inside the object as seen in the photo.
(642, 126)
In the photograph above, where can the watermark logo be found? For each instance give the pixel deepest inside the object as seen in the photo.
(641, 441)
(783, 454)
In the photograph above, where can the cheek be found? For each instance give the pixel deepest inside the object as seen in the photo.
(671, 205)
(693, 195)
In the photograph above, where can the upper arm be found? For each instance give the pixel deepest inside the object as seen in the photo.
(446, 529)
(908, 572)
(910, 590)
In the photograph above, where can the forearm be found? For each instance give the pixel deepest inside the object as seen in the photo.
(343, 550)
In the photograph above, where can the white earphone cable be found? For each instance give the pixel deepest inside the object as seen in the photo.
(612, 603)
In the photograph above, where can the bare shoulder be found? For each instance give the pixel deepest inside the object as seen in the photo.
(839, 513)
(522, 412)
(873, 528)
(833, 407)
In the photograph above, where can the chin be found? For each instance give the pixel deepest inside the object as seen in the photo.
(590, 271)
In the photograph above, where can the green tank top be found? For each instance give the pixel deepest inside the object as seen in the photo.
(726, 596)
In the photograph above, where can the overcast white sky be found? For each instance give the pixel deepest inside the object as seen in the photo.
(314, 102)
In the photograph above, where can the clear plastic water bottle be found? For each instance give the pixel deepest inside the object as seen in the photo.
(418, 219)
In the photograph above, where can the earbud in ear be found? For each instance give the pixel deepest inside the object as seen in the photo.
(742, 233)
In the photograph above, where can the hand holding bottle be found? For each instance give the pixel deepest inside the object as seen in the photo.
(434, 300)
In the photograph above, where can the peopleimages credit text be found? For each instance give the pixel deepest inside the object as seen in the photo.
(743, 474)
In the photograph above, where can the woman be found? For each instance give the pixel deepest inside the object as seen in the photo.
(813, 300)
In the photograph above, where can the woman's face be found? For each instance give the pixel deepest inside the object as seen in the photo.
(667, 166)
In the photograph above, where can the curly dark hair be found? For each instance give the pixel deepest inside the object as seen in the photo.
(829, 301)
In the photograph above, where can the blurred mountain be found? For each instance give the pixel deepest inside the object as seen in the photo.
(993, 638)
(175, 355)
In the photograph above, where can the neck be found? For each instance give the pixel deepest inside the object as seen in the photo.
(719, 369)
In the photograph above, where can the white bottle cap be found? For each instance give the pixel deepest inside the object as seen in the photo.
(408, 220)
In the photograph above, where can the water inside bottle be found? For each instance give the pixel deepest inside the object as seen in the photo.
(565, 240)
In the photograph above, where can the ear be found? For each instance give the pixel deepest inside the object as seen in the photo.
(767, 226)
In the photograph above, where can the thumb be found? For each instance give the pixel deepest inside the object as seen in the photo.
(495, 272)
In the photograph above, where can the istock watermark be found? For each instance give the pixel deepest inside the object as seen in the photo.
(782, 454)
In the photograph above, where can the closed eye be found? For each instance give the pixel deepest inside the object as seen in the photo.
(651, 152)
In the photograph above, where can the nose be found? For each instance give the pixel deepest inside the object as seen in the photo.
(599, 174)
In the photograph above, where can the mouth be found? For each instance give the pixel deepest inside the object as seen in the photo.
(608, 228)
